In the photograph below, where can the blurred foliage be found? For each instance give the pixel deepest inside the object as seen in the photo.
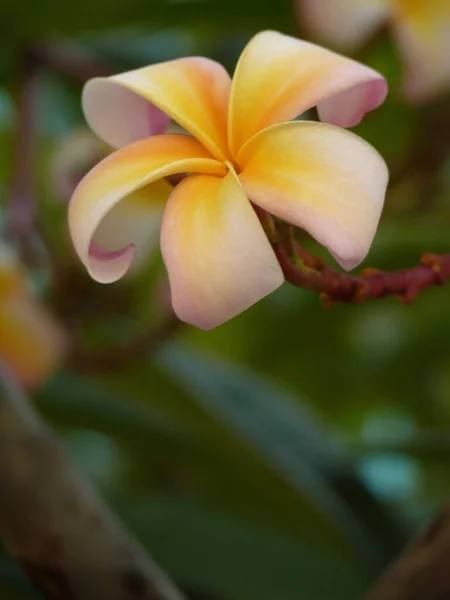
(290, 452)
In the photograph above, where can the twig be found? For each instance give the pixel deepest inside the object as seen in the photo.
(423, 572)
(61, 533)
(70, 60)
(22, 206)
(336, 286)
(125, 355)
(304, 270)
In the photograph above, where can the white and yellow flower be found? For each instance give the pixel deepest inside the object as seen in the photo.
(314, 175)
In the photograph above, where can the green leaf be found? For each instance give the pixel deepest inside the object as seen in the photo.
(287, 438)
(13, 583)
(29, 20)
(205, 549)
(194, 448)
(74, 401)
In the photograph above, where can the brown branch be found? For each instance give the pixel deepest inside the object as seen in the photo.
(304, 270)
(53, 523)
(120, 357)
(70, 60)
(124, 354)
(423, 571)
(21, 212)
(335, 286)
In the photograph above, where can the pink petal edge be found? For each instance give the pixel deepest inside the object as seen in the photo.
(348, 108)
(114, 264)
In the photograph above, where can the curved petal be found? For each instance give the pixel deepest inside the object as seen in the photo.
(218, 257)
(134, 221)
(422, 29)
(321, 178)
(279, 77)
(112, 180)
(131, 106)
(343, 23)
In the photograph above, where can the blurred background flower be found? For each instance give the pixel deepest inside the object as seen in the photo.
(73, 157)
(421, 29)
(289, 453)
(32, 342)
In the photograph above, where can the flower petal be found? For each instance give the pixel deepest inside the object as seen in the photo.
(321, 178)
(218, 257)
(115, 178)
(136, 219)
(422, 29)
(132, 106)
(343, 23)
(279, 77)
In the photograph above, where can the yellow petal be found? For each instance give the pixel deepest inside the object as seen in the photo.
(116, 177)
(279, 77)
(217, 255)
(193, 91)
(321, 178)
(422, 29)
(343, 23)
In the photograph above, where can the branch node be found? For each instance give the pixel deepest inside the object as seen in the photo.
(370, 272)
(327, 300)
(431, 261)
(362, 292)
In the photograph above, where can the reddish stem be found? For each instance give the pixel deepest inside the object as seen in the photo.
(335, 286)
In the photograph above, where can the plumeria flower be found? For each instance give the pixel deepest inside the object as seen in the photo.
(32, 344)
(313, 175)
(421, 28)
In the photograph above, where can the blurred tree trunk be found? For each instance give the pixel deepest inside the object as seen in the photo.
(53, 523)
(423, 571)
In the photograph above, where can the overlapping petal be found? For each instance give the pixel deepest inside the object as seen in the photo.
(138, 218)
(343, 23)
(321, 178)
(422, 29)
(131, 106)
(122, 173)
(217, 255)
(279, 77)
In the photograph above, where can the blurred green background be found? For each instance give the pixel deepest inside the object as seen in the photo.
(290, 453)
